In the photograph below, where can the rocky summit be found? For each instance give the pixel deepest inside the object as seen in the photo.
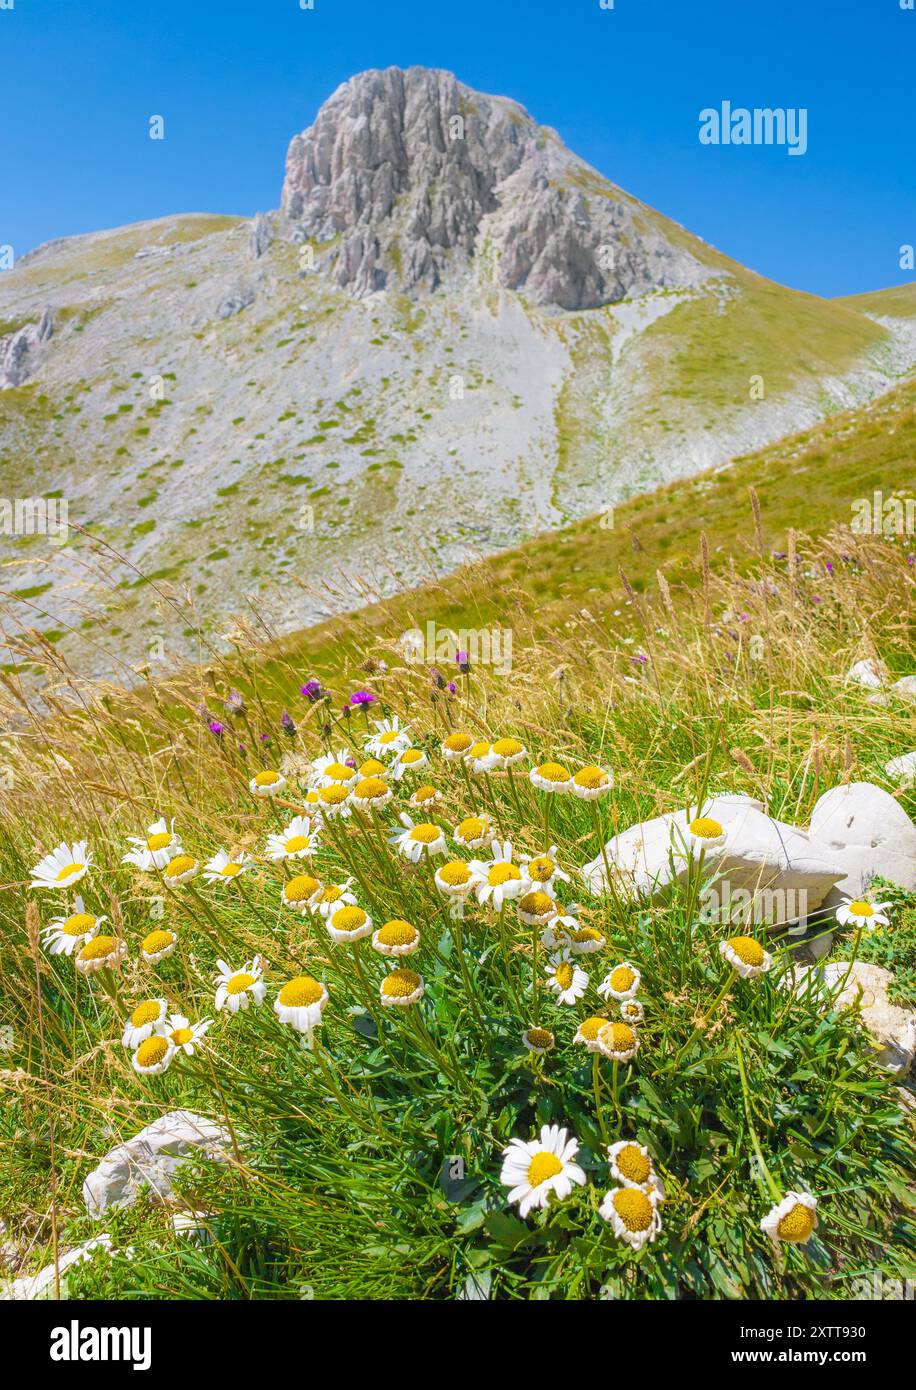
(406, 176)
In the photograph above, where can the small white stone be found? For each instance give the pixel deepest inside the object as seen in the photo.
(150, 1159)
(903, 768)
(870, 673)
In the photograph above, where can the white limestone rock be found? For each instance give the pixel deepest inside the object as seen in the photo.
(905, 689)
(150, 1159)
(789, 871)
(871, 674)
(868, 832)
(44, 1283)
(892, 1027)
(902, 768)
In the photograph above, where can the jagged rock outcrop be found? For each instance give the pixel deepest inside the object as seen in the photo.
(19, 351)
(260, 236)
(410, 175)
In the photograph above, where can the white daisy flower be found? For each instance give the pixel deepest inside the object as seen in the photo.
(331, 771)
(455, 746)
(567, 981)
(389, 739)
(480, 758)
(536, 1169)
(297, 841)
(856, 912)
(237, 989)
(588, 1030)
(143, 1022)
(630, 1163)
(551, 777)
(535, 908)
(498, 879)
(631, 1011)
(63, 867)
(335, 802)
(300, 1004)
(704, 833)
(154, 1055)
(620, 983)
(418, 841)
(349, 924)
(371, 794)
(63, 935)
(221, 869)
(559, 933)
(157, 945)
(473, 832)
(299, 892)
(618, 1042)
(633, 1214)
(184, 1035)
(591, 782)
(156, 848)
(180, 870)
(586, 941)
(332, 896)
(396, 938)
(101, 953)
(408, 760)
(542, 872)
(454, 879)
(793, 1220)
(506, 751)
(267, 783)
(401, 988)
(425, 798)
(538, 1040)
(746, 956)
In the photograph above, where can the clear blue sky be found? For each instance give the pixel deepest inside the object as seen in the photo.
(235, 79)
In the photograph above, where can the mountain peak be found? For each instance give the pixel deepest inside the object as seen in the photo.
(407, 176)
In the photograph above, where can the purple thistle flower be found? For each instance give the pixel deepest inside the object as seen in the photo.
(452, 688)
(235, 704)
(216, 727)
(312, 689)
(463, 662)
(287, 724)
(362, 697)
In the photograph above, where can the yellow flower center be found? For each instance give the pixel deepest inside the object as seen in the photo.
(540, 1037)
(590, 1027)
(179, 865)
(151, 1052)
(299, 991)
(705, 828)
(389, 736)
(553, 772)
(331, 894)
(458, 743)
(79, 923)
(300, 888)
(747, 949)
(564, 974)
(370, 788)
(156, 942)
(634, 1208)
(231, 869)
(622, 978)
(348, 919)
(620, 1036)
(333, 795)
(472, 829)
(633, 1163)
(541, 869)
(455, 874)
(537, 904)
(543, 1166)
(508, 747)
(412, 755)
(98, 948)
(239, 983)
(425, 834)
(397, 933)
(400, 983)
(297, 842)
(371, 768)
(587, 934)
(479, 749)
(590, 778)
(797, 1224)
(68, 870)
(147, 1012)
(427, 793)
(266, 779)
(180, 1036)
(861, 909)
(338, 772)
(502, 873)
(159, 841)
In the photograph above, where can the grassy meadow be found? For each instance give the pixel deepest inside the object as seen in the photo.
(364, 1155)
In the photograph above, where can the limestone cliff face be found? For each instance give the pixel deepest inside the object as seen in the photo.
(407, 175)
